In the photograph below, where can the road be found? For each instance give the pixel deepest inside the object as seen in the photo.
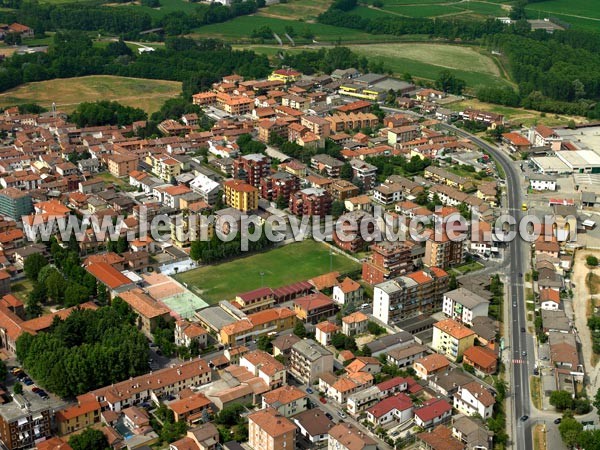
(521, 344)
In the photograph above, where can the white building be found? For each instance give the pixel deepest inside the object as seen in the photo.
(473, 398)
(463, 305)
(206, 187)
(541, 182)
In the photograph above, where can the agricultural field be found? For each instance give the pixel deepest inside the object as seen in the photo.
(240, 30)
(436, 8)
(166, 7)
(281, 266)
(68, 93)
(525, 117)
(426, 61)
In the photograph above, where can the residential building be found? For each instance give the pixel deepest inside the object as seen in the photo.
(388, 260)
(397, 408)
(187, 332)
(310, 202)
(364, 172)
(241, 195)
(191, 409)
(550, 299)
(22, 426)
(405, 357)
(430, 365)
(287, 400)
(440, 438)
(345, 436)
(433, 412)
(463, 305)
(285, 75)
(257, 324)
(419, 292)
(15, 203)
(443, 252)
(308, 360)
(256, 300)
(472, 432)
(252, 168)
(483, 359)
(323, 163)
(324, 331)
(347, 233)
(473, 398)
(313, 308)
(121, 164)
(202, 437)
(149, 312)
(279, 185)
(313, 425)
(269, 430)
(266, 367)
(451, 338)
(355, 324)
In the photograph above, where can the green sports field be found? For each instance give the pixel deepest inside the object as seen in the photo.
(281, 266)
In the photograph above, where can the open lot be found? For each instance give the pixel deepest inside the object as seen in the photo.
(526, 117)
(281, 266)
(296, 9)
(68, 93)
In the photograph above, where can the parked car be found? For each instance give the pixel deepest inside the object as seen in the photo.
(27, 381)
(524, 418)
(329, 416)
(309, 390)
(323, 400)
(341, 414)
(557, 421)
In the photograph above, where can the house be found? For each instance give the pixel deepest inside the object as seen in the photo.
(398, 408)
(474, 398)
(366, 364)
(340, 388)
(542, 182)
(308, 360)
(451, 338)
(555, 320)
(283, 343)
(355, 324)
(313, 308)
(202, 437)
(483, 359)
(440, 438)
(345, 436)
(256, 324)
(187, 332)
(429, 365)
(263, 365)
(550, 299)
(486, 330)
(363, 399)
(268, 429)
(348, 292)
(463, 305)
(313, 425)
(110, 277)
(433, 412)
(472, 432)
(191, 409)
(405, 357)
(324, 331)
(148, 310)
(287, 400)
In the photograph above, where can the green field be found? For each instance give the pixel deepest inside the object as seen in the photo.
(281, 266)
(240, 30)
(426, 61)
(435, 8)
(68, 93)
(166, 7)
(296, 9)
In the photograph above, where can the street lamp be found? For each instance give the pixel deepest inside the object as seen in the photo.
(262, 276)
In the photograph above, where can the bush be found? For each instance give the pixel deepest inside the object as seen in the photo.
(591, 260)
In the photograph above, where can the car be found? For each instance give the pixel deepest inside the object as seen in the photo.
(309, 390)
(395, 433)
(329, 416)
(524, 418)
(42, 393)
(524, 353)
(322, 400)
(35, 389)
(520, 275)
(522, 329)
(16, 370)
(514, 304)
(557, 421)
(341, 414)
(27, 381)
(536, 372)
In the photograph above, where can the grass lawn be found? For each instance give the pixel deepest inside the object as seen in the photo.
(240, 30)
(467, 268)
(536, 391)
(120, 182)
(281, 266)
(166, 7)
(426, 61)
(21, 289)
(526, 117)
(68, 93)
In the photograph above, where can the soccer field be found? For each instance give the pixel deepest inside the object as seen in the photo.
(281, 266)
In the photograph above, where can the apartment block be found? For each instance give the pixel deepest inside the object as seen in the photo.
(241, 195)
(308, 360)
(451, 338)
(310, 202)
(269, 430)
(252, 168)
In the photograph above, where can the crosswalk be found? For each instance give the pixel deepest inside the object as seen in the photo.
(519, 361)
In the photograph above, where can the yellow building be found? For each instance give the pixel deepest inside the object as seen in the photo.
(84, 414)
(241, 195)
(258, 324)
(451, 338)
(285, 75)
(165, 167)
(358, 92)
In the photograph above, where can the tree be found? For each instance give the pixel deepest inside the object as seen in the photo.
(570, 431)
(281, 202)
(300, 330)
(591, 260)
(264, 343)
(346, 171)
(365, 350)
(33, 264)
(452, 283)
(89, 439)
(337, 208)
(230, 415)
(12, 39)
(18, 388)
(375, 328)
(447, 82)
(3, 371)
(517, 12)
(561, 400)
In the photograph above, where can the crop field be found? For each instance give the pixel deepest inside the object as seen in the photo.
(240, 30)
(281, 266)
(166, 7)
(68, 93)
(435, 8)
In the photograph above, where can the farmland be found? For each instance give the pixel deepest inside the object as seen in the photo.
(281, 266)
(68, 93)
(296, 9)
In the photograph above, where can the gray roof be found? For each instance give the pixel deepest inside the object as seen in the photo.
(555, 320)
(466, 298)
(310, 349)
(314, 421)
(473, 432)
(450, 380)
(389, 341)
(486, 327)
(215, 316)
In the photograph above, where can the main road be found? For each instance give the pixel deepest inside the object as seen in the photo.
(517, 252)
